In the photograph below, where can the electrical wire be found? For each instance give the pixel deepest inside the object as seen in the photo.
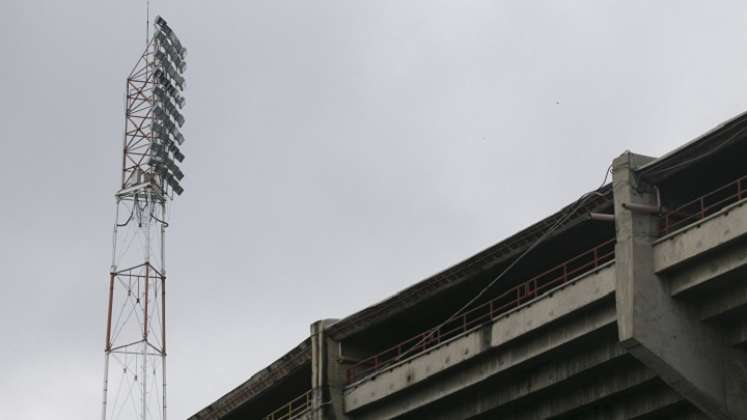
(572, 209)
(606, 175)
(132, 212)
(726, 142)
(165, 224)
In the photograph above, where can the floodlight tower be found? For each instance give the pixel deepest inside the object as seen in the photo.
(135, 350)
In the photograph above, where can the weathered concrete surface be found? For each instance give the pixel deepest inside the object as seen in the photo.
(327, 374)
(521, 322)
(574, 396)
(666, 335)
(650, 401)
(257, 384)
(738, 334)
(725, 302)
(720, 263)
(518, 371)
(707, 235)
(589, 288)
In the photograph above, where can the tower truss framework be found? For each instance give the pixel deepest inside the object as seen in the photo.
(135, 346)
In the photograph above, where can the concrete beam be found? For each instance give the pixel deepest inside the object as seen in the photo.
(651, 400)
(587, 289)
(327, 374)
(694, 240)
(563, 398)
(738, 334)
(647, 402)
(725, 302)
(718, 264)
(569, 399)
(472, 373)
(666, 335)
(551, 307)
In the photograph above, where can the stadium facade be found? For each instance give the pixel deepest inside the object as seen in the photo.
(630, 303)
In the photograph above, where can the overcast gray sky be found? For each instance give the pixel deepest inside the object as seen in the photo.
(337, 151)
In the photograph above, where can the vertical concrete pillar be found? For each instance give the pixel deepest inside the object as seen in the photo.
(327, 374)
(666, 335)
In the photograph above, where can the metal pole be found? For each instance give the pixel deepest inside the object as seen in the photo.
(106, 384)
(124, 140)
(147, 229)
(144, 380)
(163, 380)
(147, 21)
(163, 238)
(107, 345)
(145, 337)
(114, 234)
(163, 306)
(146, 296)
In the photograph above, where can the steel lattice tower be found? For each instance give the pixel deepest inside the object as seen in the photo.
(135, 351)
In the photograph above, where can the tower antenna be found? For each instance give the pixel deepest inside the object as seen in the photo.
(147, 21)
(135, 346)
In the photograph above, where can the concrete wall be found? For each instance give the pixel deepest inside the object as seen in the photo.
(498, 335)
(669, 337)
(658, 332)
(664, 334)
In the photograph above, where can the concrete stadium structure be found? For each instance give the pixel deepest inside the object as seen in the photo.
(631, 304)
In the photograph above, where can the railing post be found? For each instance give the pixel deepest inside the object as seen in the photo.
(530, 289)
(596, 262)
(702, 207)
(739, 189)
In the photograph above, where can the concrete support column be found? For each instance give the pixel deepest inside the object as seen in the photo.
(327, 374)
(666, 335)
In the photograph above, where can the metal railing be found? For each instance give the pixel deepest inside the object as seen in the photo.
(292, 410)
(704, 206)
(486, 312)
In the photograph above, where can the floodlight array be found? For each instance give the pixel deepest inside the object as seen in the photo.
(168, 65)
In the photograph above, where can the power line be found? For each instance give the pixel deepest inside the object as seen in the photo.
(666, 169)
(572, 209)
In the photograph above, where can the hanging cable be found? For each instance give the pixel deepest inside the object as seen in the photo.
(723, 144)
(165, 224)
(132, 212)
(572, 209)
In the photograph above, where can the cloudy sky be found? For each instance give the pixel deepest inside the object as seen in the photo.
(337, 151)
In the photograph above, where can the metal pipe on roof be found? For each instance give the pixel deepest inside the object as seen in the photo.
(646, 208)
(602, 217)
